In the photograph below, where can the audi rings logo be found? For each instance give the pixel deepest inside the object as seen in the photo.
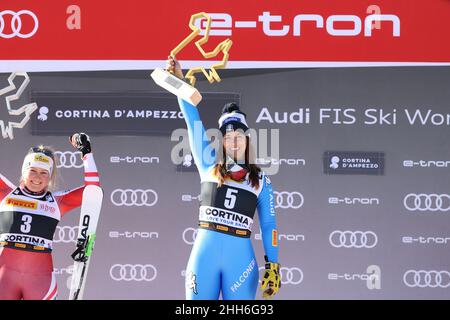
(292, 275)
(424, 278)
(134, 197)
(288, 200)
(17, 24)
(427, 202)
(133, 272)
(353, 239)
(66, 234)
(68, 159)
(189, 235)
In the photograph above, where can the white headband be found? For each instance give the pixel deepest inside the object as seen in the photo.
(232, 116)
(37, 160)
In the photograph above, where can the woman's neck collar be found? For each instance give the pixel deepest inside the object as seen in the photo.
(32, 193)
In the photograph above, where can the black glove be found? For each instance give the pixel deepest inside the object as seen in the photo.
(82, 142)
(80, 253)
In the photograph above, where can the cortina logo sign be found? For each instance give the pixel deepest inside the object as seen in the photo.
(353, 162)
(335, 162)
(43, 111)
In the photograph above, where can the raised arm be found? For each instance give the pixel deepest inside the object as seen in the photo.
(202, 152)
(71, 199)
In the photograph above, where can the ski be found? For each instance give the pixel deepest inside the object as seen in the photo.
(90, 212)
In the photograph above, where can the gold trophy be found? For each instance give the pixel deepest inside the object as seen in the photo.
(181, 88)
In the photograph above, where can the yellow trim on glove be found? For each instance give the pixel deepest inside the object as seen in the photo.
(271, 281)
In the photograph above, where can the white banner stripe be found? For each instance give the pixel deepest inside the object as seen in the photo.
(106, 65)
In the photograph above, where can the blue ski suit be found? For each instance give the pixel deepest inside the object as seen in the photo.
(222, 259)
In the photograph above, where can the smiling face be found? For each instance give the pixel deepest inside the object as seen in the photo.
(36, 179)
(235, 144)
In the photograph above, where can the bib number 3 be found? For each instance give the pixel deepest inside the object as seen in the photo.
(25, 227)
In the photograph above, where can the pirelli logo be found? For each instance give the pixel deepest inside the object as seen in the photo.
(230, 230)
(275, 238)
(22, 203)
(222, 228)
(241, 232)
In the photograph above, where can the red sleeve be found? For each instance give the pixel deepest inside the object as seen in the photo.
(5, 187)
(69, 200)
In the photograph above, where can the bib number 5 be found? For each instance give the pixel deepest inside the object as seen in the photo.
(230, 198)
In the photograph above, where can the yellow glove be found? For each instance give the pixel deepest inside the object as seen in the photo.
(271, 281)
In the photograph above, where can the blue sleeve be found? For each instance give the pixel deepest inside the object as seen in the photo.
(202, 152)
(267, 220)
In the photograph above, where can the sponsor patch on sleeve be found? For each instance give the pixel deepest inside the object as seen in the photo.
(274, 238)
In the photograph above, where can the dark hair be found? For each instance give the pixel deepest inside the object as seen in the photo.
(232, 123)
(220, 171)
(230, 107)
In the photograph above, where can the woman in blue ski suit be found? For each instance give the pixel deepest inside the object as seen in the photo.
(232, 188)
